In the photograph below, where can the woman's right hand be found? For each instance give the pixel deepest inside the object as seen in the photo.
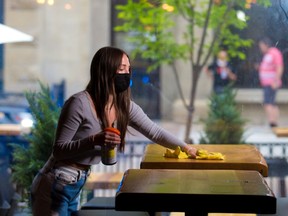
(191, 151)
(108, 137)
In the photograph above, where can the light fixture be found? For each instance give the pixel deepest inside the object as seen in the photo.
(241, 15)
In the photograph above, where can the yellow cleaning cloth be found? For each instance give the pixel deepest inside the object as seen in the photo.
(204, 154)
(177, 153)
(201, 154)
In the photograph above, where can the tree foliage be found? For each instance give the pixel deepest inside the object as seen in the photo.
(208, 25)
(27, 161)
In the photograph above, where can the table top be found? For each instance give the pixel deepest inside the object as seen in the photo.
(10, 129)
(237, 157)
(281, 131)
(195, 191)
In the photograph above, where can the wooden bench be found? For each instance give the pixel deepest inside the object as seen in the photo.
(103, 180)
(100, 181)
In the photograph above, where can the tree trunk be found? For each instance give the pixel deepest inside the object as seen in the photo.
(191, 109)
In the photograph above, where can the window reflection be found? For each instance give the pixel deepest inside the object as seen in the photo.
(271, 22)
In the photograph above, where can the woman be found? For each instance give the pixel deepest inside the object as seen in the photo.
(80, 133)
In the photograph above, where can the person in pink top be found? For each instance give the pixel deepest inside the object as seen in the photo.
(270, 75)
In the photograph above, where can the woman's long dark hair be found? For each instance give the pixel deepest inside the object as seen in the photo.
(104, 66)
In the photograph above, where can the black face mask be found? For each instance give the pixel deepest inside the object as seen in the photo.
(121, 82)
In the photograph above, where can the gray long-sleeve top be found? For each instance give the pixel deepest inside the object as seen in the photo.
(78, 123)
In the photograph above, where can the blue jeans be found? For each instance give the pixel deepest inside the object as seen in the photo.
(57, 192)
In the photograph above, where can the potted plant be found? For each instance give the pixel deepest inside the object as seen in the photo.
(28, 160)
(224, 124)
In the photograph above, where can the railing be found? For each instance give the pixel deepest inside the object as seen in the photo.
(273, 150)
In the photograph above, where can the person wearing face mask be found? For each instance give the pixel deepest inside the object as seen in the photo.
(80, 134)
(221, 73)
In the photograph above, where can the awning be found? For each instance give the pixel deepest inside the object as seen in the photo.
(11, 35)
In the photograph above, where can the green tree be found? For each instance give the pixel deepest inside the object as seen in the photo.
(224, 124)
(28, 160)
(209, 24)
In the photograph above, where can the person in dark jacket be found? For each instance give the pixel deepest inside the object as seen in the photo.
(221, 72)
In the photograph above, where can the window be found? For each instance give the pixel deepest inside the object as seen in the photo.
(145, 86)
(273, 23)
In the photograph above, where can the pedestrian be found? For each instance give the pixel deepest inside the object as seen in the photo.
(81, 133)
(221, 72)
(270, 76)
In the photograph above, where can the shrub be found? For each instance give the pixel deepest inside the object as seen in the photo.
(28, 160)
(224, 124)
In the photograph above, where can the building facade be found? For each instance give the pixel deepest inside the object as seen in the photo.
(66, 36)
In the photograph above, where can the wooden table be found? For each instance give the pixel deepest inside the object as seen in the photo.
(10, 129)
(281, 131)
(237, 157)
(195, 192)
